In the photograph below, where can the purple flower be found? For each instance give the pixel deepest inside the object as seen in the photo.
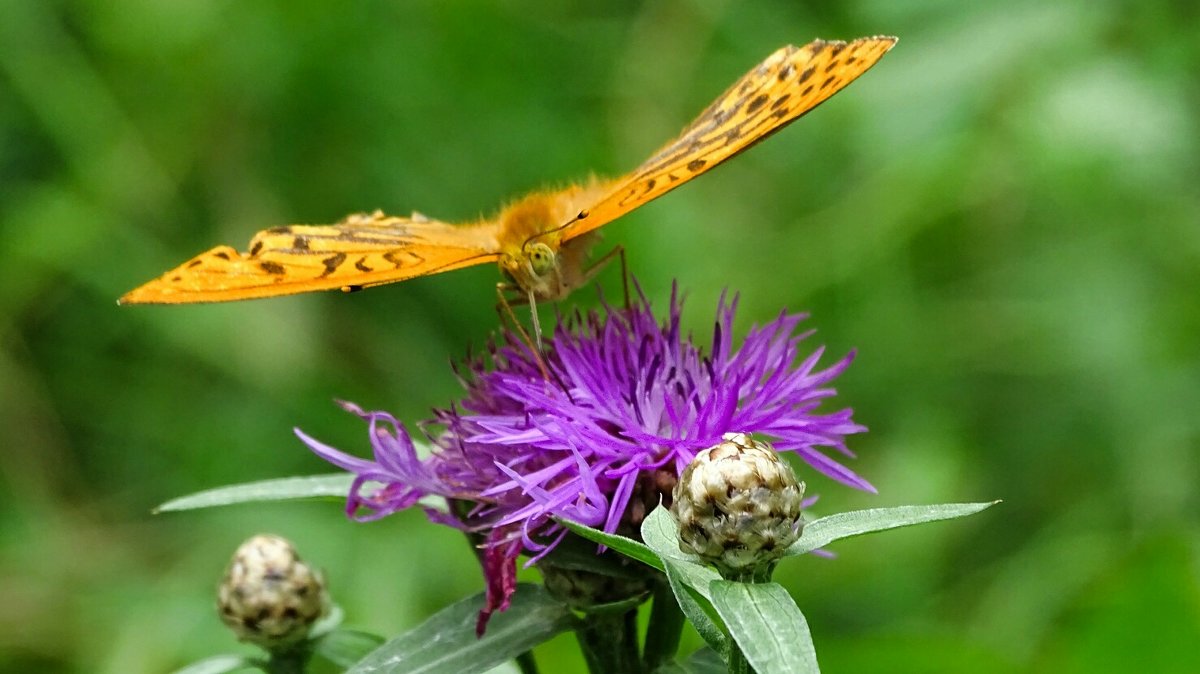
(627, 405)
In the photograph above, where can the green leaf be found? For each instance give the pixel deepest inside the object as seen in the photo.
(327, 623)
(282, 489)
(685, 574)
(702, 661)
(705, 661)
(446, 642)
(662, 535)
(767, 625)
(219, 664)
(580, 554)
(822, 532)
(346, 647)
(623, 545)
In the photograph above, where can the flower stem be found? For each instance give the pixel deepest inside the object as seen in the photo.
(609, 642)
(665, 628)
(526, 663)
(289, 661)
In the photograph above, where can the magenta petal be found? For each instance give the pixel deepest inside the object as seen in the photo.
(500, 572)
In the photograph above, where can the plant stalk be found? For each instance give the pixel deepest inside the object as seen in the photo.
(609, 642)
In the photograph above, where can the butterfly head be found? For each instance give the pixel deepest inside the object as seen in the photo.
(542, 260)
(534, 267)
(534, 251)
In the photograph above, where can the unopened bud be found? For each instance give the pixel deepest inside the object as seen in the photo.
(738, 505)
(270, 597)
(586, 591)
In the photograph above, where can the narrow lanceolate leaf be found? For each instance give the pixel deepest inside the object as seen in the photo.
(685, 575)
(822, 532)
(694, 604)
(446, 642)
(283, 489)
(623, 545)
(346, 647)
(704, 661)
(219, 664)
(767, 626)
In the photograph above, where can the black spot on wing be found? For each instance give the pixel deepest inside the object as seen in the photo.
(272, 268)
(300, 243)
(361, 265)
(256, 248)
(222, 254)
(332, 263)
(754, 105)
(195, 263)
(696, 164)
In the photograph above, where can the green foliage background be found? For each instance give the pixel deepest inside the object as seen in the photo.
(1003, 217)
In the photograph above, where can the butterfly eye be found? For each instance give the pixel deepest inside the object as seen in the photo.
(541, 258)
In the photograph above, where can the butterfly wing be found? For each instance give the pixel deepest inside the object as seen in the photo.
(360, 251)
(786, 85)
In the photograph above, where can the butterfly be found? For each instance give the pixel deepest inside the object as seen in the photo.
(541, 240)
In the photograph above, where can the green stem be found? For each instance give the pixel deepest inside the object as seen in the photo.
(289, 661)
(526, 663)
(609, 642)
(665, 628)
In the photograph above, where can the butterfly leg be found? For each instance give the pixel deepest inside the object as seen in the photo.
(504, 308)
(597, 266)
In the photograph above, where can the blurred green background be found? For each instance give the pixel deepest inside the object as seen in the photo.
(1003, 217)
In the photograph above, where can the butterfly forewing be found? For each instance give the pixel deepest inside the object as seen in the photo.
(360, 251)
(789, 83)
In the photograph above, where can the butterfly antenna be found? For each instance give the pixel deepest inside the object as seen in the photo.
(581, 215)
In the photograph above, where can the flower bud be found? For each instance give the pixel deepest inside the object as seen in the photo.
(270, 597)
(738, 506)
(585, 590)
(575, 575)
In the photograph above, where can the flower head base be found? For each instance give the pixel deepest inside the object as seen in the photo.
(628, 404)
(738, 506)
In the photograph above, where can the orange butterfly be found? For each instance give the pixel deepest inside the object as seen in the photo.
(539, 240)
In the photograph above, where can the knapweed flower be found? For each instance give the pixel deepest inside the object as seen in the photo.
(598, 429)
